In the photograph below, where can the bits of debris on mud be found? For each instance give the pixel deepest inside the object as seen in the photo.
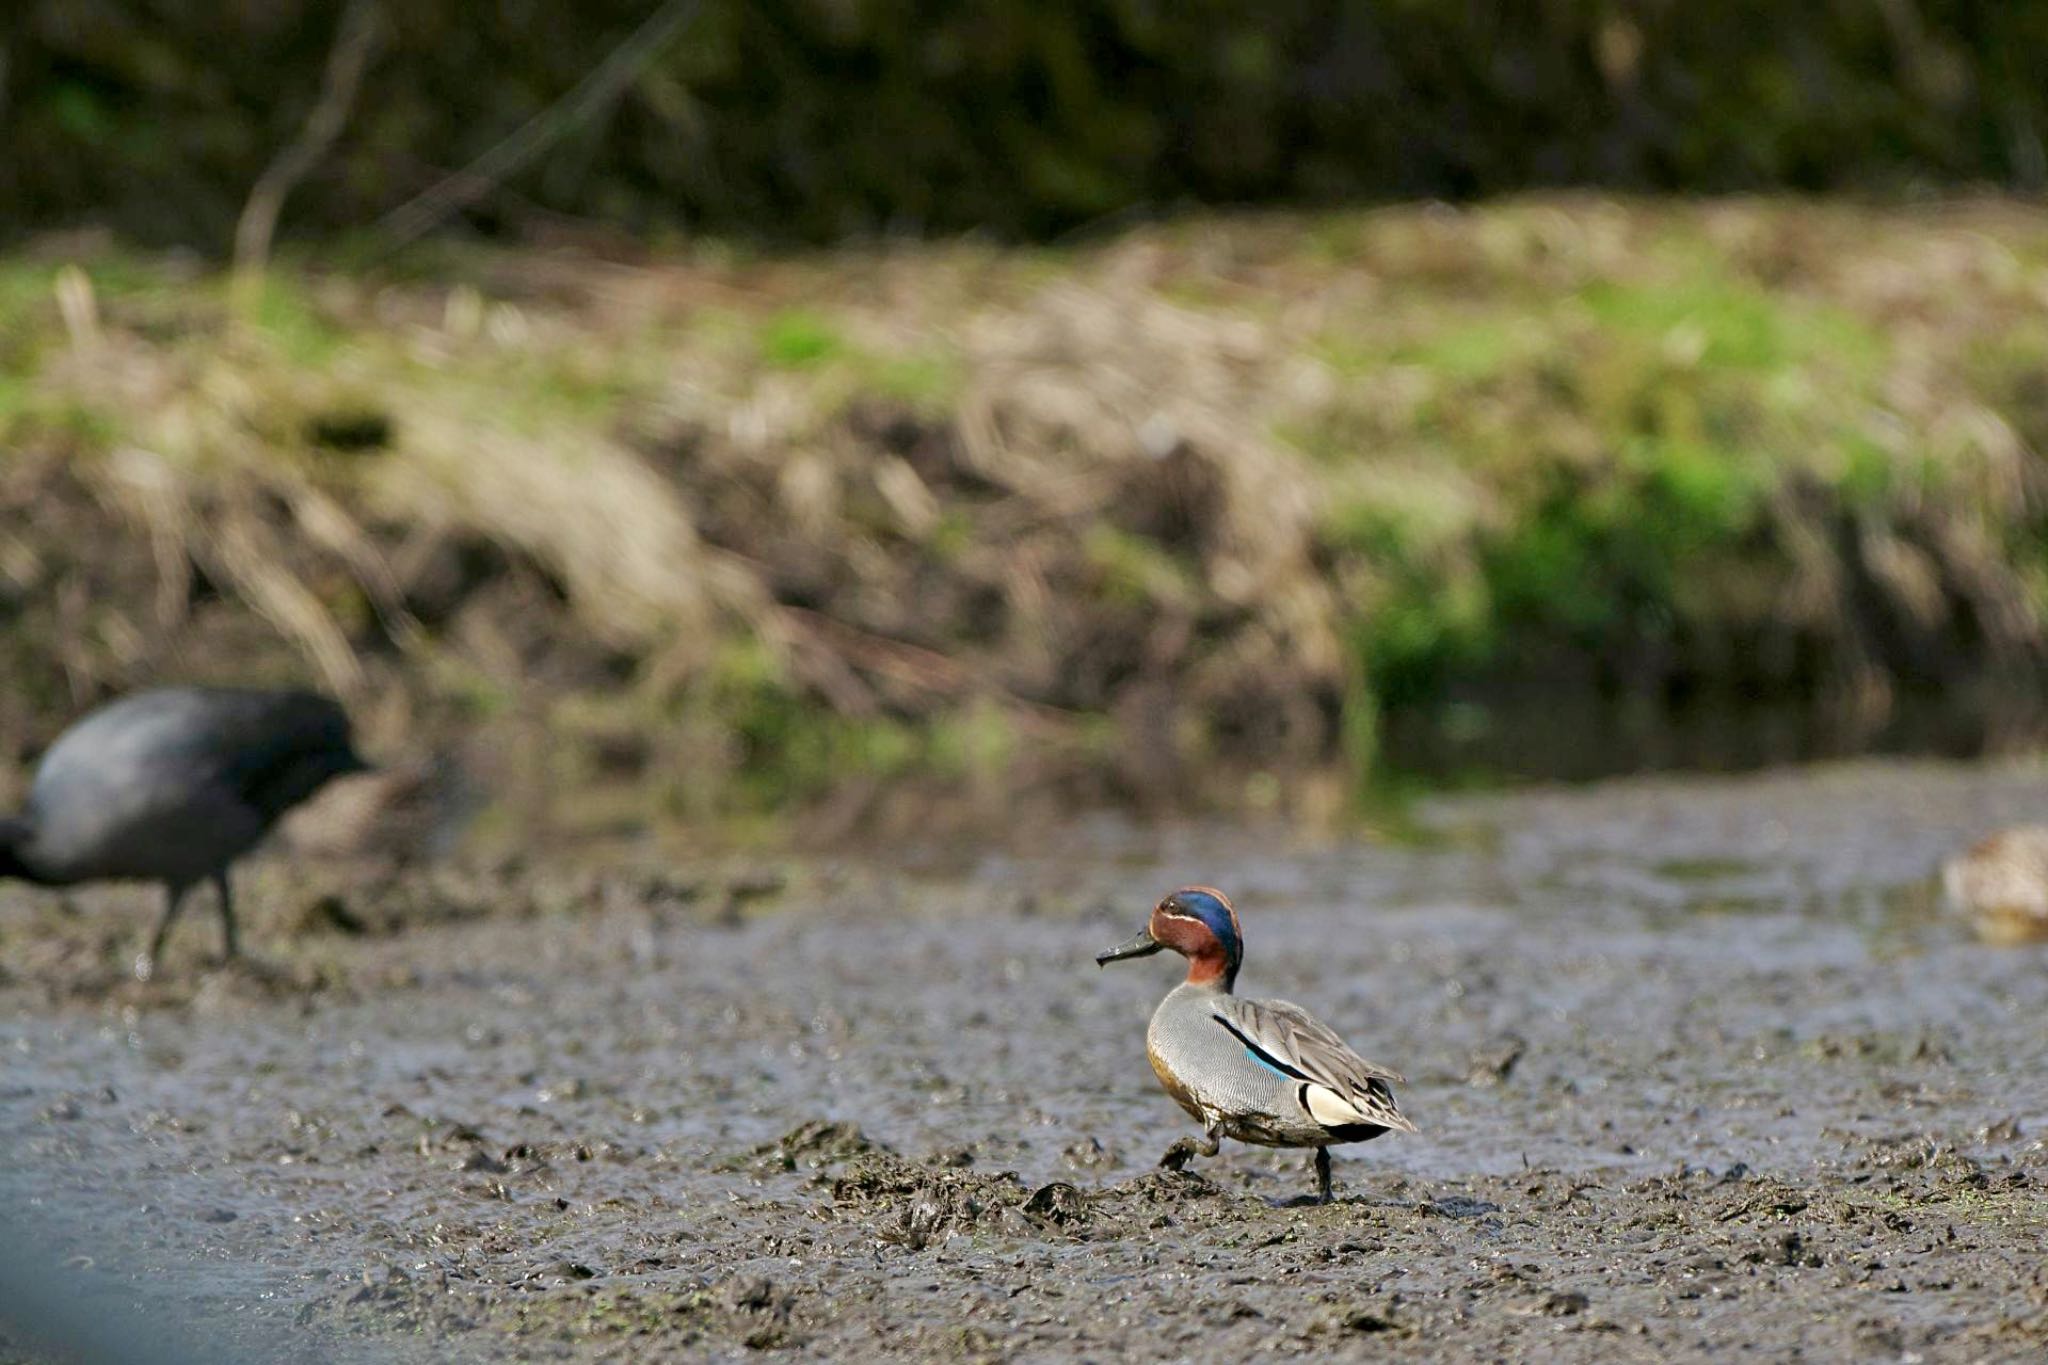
(914, 1205)
(1168, 1187)
(1089, 1154)
(1059, 1202)
(1557, 1304)
(446, 1137)
(754, 1294)
(1924, 1153)
(2005, 1130)
(1460, 1206)
(752, 1310)
(64, 1111)
(328, 913)
(1494, 1061)
(758, 885)
(1369, 1320)
(811, 1145)
(380, 906)
(1788, 1248)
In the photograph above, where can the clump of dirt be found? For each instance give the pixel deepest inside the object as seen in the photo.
(913, 1205)
(1495, 1060)
(750, 1311)
(813, 1144)
(1058, 1203)
(756, 1311)
(1089, 1153)
(411, 1300)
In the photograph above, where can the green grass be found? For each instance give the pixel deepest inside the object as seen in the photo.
(928, 380)
(287, 318)
(1132, 571)
(1556, 429)
(1718, 323)
(800, 340)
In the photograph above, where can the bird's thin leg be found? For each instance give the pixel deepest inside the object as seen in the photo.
(174, 901)
(1178, 1155)
(1323, 1174)
(231, 947)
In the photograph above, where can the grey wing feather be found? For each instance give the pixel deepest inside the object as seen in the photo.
(1296, 1039)
(1291, 1032)
(1311, 1048)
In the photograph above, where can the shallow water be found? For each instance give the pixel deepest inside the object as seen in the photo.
(1689, 1058)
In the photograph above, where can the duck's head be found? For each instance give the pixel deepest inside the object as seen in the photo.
(1200, 924)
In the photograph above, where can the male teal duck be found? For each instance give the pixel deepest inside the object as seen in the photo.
(1259, 1071)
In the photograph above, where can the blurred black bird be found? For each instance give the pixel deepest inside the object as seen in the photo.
(172, 786)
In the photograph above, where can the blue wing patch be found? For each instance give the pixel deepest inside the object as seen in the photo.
(1262, 1060)
(1259, 1054)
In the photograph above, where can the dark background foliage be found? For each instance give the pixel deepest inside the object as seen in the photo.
(815, 119)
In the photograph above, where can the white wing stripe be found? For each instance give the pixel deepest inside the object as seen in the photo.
(1331, 1110)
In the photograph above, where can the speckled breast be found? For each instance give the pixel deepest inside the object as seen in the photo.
(1182, 1094)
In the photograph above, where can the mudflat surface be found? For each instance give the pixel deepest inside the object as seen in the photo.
(1698, 1065)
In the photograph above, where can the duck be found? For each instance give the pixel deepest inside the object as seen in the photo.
(1258, 1071)
(172, 785)
(2000, 885)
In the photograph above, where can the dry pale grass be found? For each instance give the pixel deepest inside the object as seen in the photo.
(1201, 491)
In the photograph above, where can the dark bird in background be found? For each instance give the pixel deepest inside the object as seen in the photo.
(172, 786)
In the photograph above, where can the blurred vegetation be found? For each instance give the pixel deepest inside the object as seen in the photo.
(816, 119)
(1223, 496)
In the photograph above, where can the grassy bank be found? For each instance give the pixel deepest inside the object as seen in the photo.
(1221, 495)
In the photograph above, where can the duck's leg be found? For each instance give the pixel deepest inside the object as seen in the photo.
(1178, 1155)
(231, 947)
(174, 901)
(1323, 1187)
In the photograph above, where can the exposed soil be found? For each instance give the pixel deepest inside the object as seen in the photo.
(1696, 1065)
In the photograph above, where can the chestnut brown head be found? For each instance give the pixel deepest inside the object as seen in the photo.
(1200, 924)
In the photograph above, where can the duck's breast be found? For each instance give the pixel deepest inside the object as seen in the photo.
(1215, 1077)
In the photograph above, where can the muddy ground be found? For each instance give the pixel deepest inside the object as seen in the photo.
(1698, 1066)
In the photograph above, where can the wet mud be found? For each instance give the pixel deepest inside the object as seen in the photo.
(1697, 1065)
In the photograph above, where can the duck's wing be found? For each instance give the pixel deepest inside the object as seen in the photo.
(1343, 1088)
